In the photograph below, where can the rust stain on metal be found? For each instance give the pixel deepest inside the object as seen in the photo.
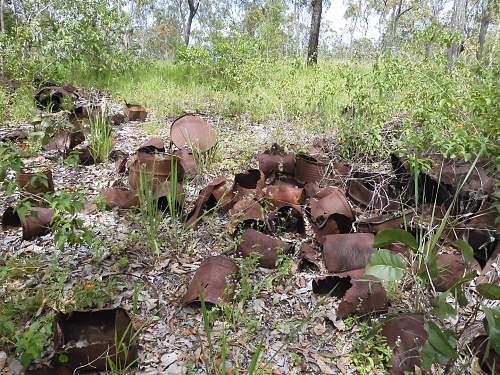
(246, 213)
(157, 168)
(376, 224)
(265, 246)
(369, 194)
(209, 197)
(284, 193)
(193, 132)
(152, 145)
(36, 183)
(308, 255)
(347, 252)
(288, 219)
(276, 161)
(215, 277)
(121, 198)
(309, 169)
(451, 268)
(135, 112)
(37, 222)
(405, 334)
(87, 337)
(188, 161)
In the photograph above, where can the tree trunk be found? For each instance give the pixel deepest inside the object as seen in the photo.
(2, 20)
(458, 18)
(312, 50)
(483, 29)
(193, 8)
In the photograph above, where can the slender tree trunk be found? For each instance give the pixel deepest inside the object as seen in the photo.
(458, 19)
(2, 20)
(312, 50)
(483, 29)
(193, 8)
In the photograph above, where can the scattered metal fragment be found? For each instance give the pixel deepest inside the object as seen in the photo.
(152, 145)
(117, 119)
(329, 213)
(248, 184)
(276, 161)
(376, 224)
(188, 161)
(405, 334)
(36, 222)
(287, 219)
(372, 195)
(157, 168)
(135, 112)
(347, 252)
(451, 268)
(52, 97)
(120, 158)
(35, 183)
(284, 193)
(247, 213)
(121, 198)
(209, 197)
(309, 169)
(266, 246)
(15, 135)
(88, 339)
(359, 293)
(215, 278)
(193, 132)
(65, 140)
(308, 255)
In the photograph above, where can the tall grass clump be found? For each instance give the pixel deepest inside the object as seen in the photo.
(100, 136)
(150, 212)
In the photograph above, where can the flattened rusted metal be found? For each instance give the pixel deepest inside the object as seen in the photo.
(265, 246)
(209, 197)
(88, 337)
(347, 252)
(276, 161)
(192, 131)
(215, 278)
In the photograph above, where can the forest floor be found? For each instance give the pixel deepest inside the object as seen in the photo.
(299, 329)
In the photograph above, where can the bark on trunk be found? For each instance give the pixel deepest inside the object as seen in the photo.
(458, 18)
(312, 50)
(193, 8)
(2, 20)
(483, 29)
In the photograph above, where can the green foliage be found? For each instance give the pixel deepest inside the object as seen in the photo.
(489, 291)
(440, 346)
(100, 137)
(492, 327)
(31, 342)
(370, 352)
(150, 212)
(386, 265)
(94, 293)
(390, 236)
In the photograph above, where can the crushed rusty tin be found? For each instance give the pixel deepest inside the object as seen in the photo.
(35, 183)
(309, 169)
(284, 193)
(84, 155)
(329, 213)
(249, 183)
(405, 334)
(246, 213)
(120, 159)
(488, 358)
(15, 135)
(265, 246)
(10, 218)
(51, 97)
(216, 278)
(88, 338)
(135, 112)
(309, 256)
(209, 197)
(121, 198)
(451, 268)
(489, 273)
(359, 293)
(158, 169)
(65, 140)
(162, 193)
(117, 119)
(287, 219)
(37, 222)
(311, 189)
(276, 161)
(193, 132)
(372, 196)
(88, 112)
(376, 224)
(188, 161)
(151, 145)
(347, 252)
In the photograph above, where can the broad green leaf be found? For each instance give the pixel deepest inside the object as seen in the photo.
(386, 265)
(489, 291)
(390, 236)
(492, 326)
(466, 250)
(443, 309)
(439, 347)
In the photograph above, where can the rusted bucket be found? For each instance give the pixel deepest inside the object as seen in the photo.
(309, 169)
(158, 169)
(36, 183)
(135, 112)
(37, 222)
(193, 132)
